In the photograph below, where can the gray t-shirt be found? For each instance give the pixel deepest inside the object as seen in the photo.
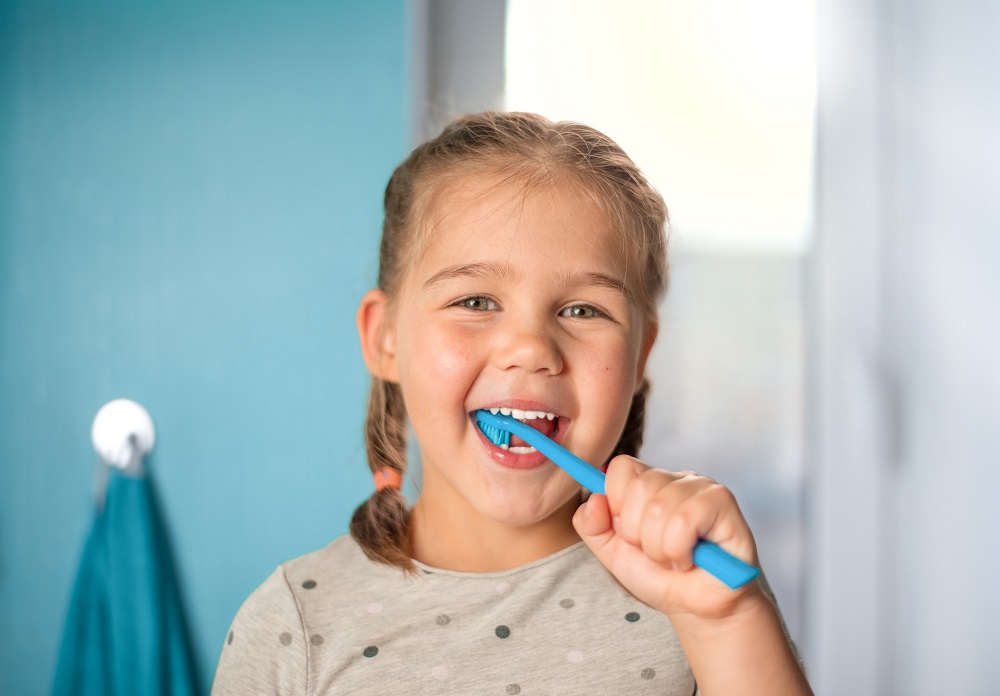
(334, 622)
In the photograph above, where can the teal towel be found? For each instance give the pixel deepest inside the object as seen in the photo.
(125, 630)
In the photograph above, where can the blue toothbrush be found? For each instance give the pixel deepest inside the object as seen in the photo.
(707, 556)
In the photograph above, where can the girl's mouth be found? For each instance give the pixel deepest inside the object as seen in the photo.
(519, 454)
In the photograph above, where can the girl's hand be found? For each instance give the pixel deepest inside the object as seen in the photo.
(645, 527)
(643, 531)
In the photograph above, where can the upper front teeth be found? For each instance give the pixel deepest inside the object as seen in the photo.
(522, 415)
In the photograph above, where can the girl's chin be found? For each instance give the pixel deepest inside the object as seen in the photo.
(527, 508)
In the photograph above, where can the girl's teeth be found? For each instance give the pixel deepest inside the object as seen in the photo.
(518, 450)
(521, 415)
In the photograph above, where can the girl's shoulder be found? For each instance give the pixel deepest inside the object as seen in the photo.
(270, 640)
(295, 585)
(341, 559)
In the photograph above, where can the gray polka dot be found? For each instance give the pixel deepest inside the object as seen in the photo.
(648, 673)
(316, 639)
(229, 640)
(502, 631)
(371, 651)
(285, 638)
(513, 689)
(632, 617)
(443, 620)
(567, 604)
(309, 584)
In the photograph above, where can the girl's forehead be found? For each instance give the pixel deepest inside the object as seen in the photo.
(532, 209)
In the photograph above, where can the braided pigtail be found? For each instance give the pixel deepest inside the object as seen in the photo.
(631, 440)
(379, 525)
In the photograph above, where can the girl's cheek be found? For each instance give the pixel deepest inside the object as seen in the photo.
(444, 358)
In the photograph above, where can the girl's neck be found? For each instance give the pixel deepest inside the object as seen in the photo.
(482, 545)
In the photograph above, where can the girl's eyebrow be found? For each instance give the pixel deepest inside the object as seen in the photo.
(503, 271)
(599, 279)
(485, 269)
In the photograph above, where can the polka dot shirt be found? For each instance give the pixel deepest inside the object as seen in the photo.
(334, 622)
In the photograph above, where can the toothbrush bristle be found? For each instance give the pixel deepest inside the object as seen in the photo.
(498, 436)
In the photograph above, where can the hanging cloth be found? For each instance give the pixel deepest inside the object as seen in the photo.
(125, 630)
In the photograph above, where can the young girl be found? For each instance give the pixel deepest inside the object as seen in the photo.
(520, 268)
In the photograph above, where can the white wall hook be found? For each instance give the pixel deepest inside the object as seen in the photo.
(123, 434)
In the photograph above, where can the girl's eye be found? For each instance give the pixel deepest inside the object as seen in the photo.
(477, 303)
(581, 312)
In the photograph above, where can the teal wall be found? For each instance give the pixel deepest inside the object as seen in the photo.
(189, 212)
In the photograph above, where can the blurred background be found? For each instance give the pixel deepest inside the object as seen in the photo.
(190, 210)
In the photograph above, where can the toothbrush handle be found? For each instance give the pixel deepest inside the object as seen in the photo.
(723, 565)
(707, 555)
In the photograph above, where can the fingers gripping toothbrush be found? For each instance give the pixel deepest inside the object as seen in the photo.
(707, 556)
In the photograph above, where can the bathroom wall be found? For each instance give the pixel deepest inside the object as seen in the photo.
(904, 378)
(189, 211)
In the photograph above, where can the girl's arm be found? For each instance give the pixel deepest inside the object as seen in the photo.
(744, 654)
(643, 531)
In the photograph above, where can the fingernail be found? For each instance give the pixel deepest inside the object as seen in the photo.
(616, 524)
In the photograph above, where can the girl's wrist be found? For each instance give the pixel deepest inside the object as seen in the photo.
(747, 651)
(752, 607)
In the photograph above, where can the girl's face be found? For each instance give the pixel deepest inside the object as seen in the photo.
(517, 301)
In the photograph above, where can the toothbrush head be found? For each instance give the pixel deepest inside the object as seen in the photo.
(498, 436)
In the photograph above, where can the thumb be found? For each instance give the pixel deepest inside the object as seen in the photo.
(593, 523)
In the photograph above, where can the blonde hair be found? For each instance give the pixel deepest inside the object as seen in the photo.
(522, 148)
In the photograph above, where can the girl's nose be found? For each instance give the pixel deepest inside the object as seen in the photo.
(531, 348)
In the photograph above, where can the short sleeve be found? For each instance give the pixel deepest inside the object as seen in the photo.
(265, 649)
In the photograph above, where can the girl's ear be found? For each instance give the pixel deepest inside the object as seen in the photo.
(377, 335)
(648, 339)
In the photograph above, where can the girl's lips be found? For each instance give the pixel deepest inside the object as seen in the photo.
(523, 460)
